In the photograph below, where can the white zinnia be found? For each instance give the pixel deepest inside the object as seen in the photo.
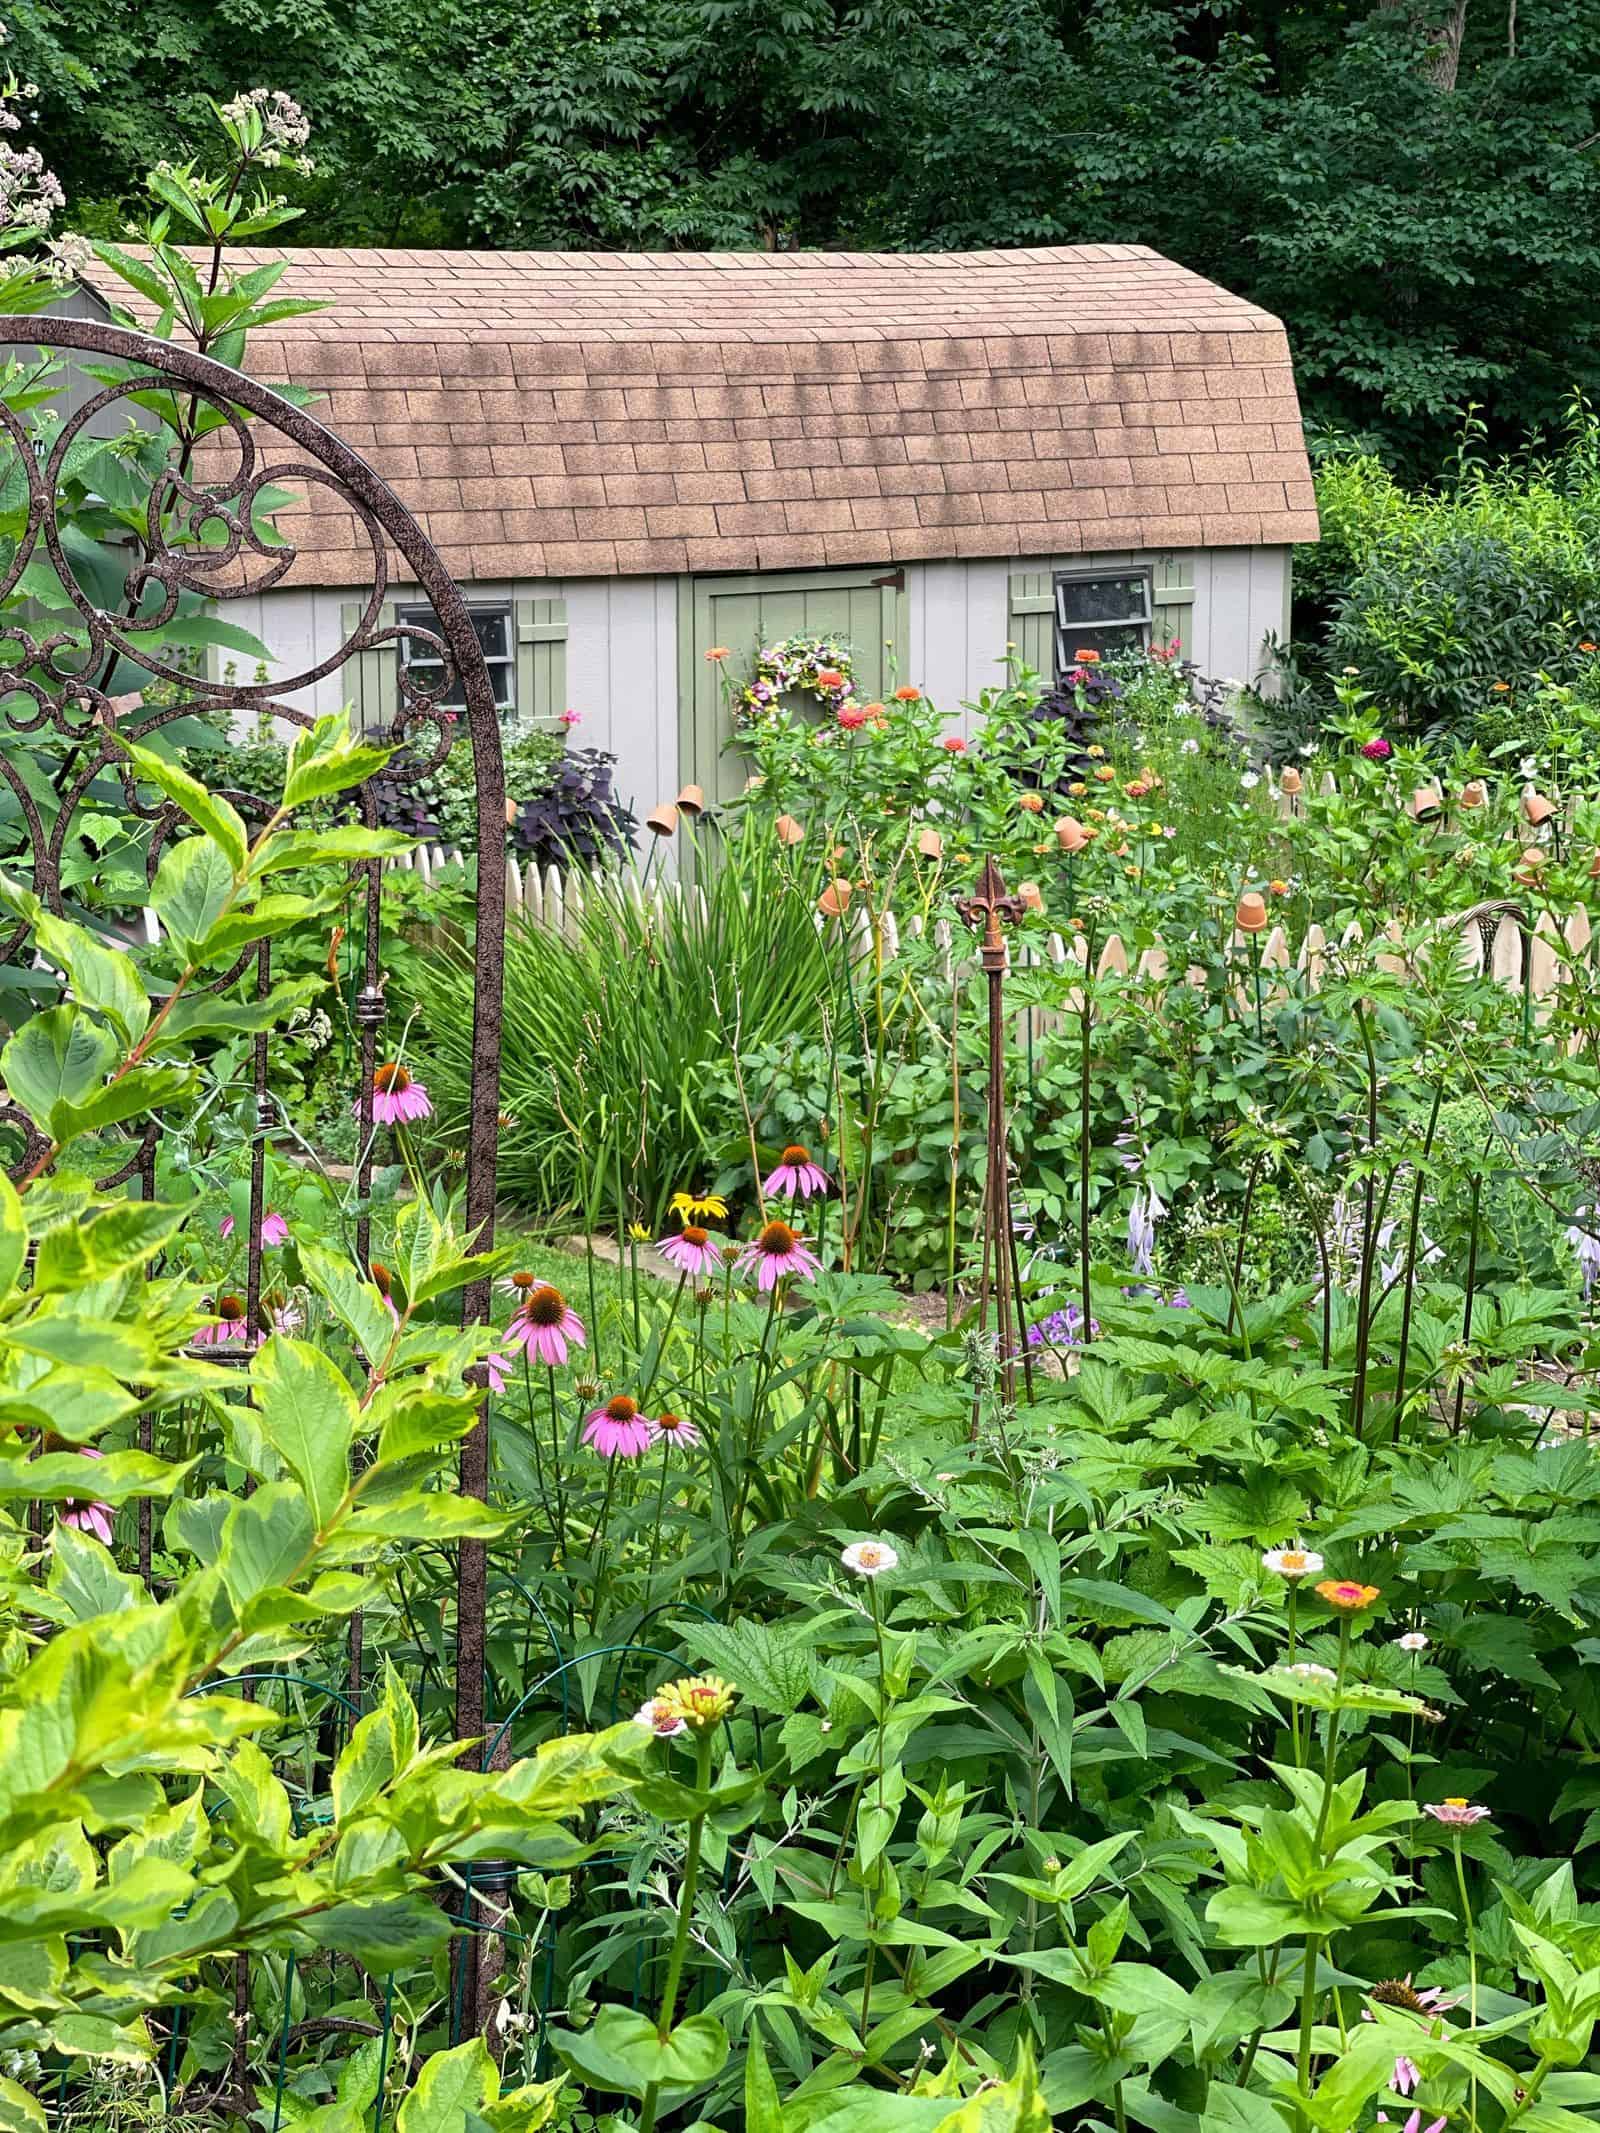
(1292, 1562)
(869, 1559)
(658, 1717)
(1412, 1641)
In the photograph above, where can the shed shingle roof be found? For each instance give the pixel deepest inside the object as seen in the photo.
(554, 414)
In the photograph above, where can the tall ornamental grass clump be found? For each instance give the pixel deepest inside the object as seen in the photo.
(614, 1028)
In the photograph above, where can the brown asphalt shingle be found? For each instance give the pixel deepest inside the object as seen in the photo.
(551, 414)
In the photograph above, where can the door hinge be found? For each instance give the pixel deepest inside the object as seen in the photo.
(896, 578)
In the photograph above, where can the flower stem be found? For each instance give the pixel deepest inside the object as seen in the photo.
(680, 1937)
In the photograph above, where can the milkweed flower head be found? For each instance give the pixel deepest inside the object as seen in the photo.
(618, 1430)
(1455, 1814)
(701, 1701)
(398, 1098)
(274, 1229)
(1345, 1596)
(228, 1324)
(869, 1558)
(658, 1716)
(85, 1514)
(1292, 1563)
(545, 1323)
(777, 1252)
(692, 1250)
(796, 1176)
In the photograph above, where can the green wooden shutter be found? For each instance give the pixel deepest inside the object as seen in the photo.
(1031, 627)
(541, 660)
(1173, 601)
(376, 694)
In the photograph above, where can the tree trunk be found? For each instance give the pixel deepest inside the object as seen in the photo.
(1443, 62)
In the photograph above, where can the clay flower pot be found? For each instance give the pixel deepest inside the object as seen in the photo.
(1474, 793)
(1250, 913)
(787, 830)
(834, 901)
(1071, 834)
(1291, 781)
(692, 800)
(1532, 865)
(663, 819)
(1427, 803)
(1536, 808)
(930, 844)
(1030, 896)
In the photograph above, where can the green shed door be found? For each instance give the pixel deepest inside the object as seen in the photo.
(865, 609)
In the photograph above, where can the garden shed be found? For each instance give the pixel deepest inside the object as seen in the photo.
(627, 460)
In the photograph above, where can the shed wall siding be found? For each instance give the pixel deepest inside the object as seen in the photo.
(621, 661)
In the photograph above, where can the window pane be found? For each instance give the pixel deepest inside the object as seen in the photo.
(492, 628)
(1110, 599)
(1128, 637)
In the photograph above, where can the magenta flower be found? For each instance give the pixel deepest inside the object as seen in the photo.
(545, 1323)
(692, 1251)
(1455, 1814)
(398, 1098)
(618, 1430)
(779, 1250)
(274, 1230)
(670, 1430)
(84, 1513)
(1407, 2076)
(228, 1324)
(796, 1175)
(1378, 751)
(498, 1367)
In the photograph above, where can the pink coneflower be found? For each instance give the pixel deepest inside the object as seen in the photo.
(545, 1324)
(692, 1250)
(618, 1430)
(498, 1368)
(1415, 1999)
(672, 1430)
(228, 1325)
(779, 1250)
(1407, 2076)
(274, 1230)
(1378, 751)
(796, 1175)
(398, 1098)
(88, 1515)
(1455, 1814)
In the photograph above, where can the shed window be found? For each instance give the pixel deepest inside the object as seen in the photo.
(1100, 611)
(492, 625)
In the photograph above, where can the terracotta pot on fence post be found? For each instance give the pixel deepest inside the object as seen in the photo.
(834, 901)
(930, 845)
(692, 800)
(1474, 793)
(1291, 782)
(787, 830)
(1427, 803)
(663, 820)
(1536, 809)
(1250, 913)
(1071, 834)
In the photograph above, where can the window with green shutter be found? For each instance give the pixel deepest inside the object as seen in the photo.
(524, 644)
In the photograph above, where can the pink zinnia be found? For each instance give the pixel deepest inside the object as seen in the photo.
(796, 1175)
(955, 744)
(228, 1325)
(1455, 1814)
(88, 1516)
(618, 1430)
(668, 1430)
(398, 1098)
(1378, 751)
(851, 716)
(692, 1251)
(545, 1324)
(779, 1250)
(274, 1230)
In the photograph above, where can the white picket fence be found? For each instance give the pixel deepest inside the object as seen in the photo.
(1494, 943)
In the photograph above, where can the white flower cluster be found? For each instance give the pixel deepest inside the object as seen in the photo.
(284, 126)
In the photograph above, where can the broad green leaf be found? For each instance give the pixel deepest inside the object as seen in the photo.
(13, 1236)
(386, 1934)
(191, 890)
(267, 1541)
(56, 1060)
(143, 1089)
(307, 1413)
(206, 811)
(451, 2087)
(126, 1235)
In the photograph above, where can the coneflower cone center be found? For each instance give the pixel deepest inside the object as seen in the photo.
(391, 1080)
(621, 1409)
(796, 1154)
(694, 1235)
(777, 1238)
(545, 1307)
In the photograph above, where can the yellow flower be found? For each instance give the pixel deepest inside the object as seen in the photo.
(689, 1206)
(1104, 772)
(701, 1703)
(638, 1232)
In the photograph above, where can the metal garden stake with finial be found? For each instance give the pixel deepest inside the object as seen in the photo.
(989, 913)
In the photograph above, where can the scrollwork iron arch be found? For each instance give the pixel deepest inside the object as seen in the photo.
(203, 536)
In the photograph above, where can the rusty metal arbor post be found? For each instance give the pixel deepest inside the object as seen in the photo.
(57, 688)
(989, 913)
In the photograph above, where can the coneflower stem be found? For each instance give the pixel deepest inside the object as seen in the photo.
(680, 1937)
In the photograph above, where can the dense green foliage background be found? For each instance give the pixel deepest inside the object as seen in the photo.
(1423, 217)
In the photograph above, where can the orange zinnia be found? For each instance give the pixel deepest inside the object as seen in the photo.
(907, 696)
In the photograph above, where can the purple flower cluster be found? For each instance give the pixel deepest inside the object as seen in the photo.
(1062, 1329)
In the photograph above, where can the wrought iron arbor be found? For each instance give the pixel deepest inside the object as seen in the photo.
(203, 537)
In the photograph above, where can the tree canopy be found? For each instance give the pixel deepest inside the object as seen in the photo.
(1412, 185)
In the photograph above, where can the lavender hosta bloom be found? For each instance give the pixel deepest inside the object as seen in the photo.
(1147, 1210)
(1584, 1238)
(1063, 1329)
